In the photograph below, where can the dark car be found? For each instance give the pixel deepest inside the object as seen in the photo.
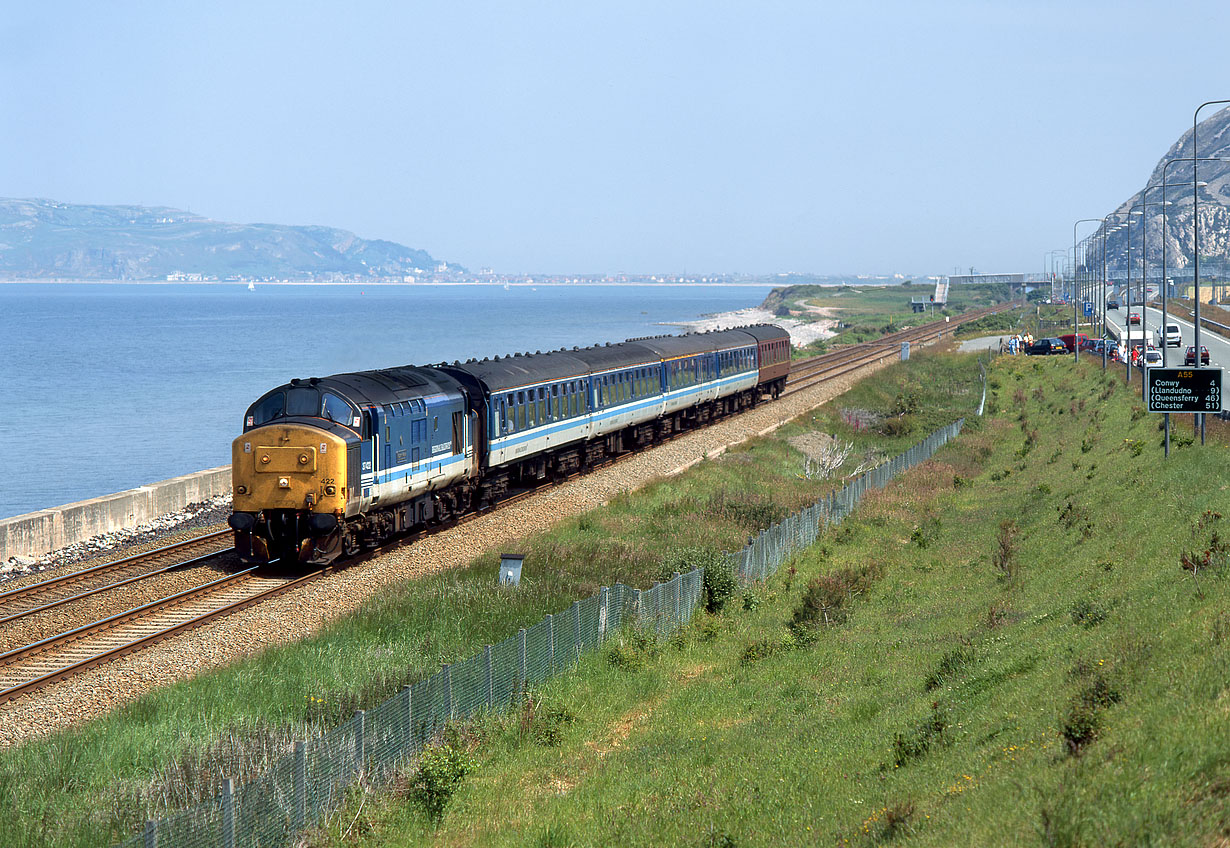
(1189, 358)
(1045, 347)
(1112, 304)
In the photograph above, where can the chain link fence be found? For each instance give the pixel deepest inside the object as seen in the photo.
(299, 789)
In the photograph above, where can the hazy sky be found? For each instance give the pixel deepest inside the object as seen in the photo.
(581, 137)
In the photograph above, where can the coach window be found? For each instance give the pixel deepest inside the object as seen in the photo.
(542, 405)
(520, 410)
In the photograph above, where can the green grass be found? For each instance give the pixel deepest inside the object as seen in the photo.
(97, 784)
(1029, 664)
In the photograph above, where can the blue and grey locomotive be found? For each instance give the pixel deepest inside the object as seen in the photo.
(328, 466)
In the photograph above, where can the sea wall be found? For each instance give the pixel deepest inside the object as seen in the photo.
(37, 533)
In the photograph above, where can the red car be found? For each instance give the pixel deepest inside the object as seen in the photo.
(1134, 318)
(1189, 358)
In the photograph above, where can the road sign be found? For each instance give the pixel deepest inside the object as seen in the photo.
(1088, 308)
(1184, 389)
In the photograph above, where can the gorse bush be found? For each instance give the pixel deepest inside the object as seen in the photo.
(719, 579)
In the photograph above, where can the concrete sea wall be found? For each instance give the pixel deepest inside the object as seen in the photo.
(37, 533)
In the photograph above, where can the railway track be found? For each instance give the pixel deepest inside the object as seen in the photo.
(806, 373)
(33, 666)
(78, 585)
(28, 668)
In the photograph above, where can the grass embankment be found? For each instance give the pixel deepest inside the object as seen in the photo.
(867, 312)
(98, 783)
(1018, 652)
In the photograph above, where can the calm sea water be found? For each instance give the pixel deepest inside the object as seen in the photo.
(107, 387)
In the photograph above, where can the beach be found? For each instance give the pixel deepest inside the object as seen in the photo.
(802, 333)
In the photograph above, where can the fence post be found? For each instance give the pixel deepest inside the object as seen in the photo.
(359, 720)
(576, 626)
(447, 674)
(604, 599)
(521, 662)
(636, 607)
(150, 834)
(551, 642)
(408, 715)
(228, 813)
(487, 670)
(676, 578)
(300, 819)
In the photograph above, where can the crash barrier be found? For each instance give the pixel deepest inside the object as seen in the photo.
(303, 786)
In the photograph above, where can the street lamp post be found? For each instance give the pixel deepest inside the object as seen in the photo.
(1144, 287)
(1196, 234)
(1076, 345)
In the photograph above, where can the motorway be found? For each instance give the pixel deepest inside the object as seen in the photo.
(1219, 346)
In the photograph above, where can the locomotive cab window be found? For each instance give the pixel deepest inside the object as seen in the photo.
(268, 409)
(335, 409)
(305, 402)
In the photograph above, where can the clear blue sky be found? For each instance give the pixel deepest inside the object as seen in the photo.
(756, 137)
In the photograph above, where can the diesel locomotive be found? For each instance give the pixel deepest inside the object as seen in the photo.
(328, 466)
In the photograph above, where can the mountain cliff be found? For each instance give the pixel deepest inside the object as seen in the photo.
(1213, 138)
(45, 239)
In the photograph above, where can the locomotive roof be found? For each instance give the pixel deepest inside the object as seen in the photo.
(384, 385)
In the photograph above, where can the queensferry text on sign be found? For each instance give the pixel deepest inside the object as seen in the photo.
(1184, 389)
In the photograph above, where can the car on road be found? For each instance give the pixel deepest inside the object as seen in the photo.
(1045, 347)
(1134, 318)
(1169, 335)
(1152, 358)
(1189, 358)
(1112, 304)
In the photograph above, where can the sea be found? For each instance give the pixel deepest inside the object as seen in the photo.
(105, 387)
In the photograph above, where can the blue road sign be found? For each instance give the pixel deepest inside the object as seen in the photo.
(1088, 308)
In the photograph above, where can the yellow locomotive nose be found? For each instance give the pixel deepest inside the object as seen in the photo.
(288, 467)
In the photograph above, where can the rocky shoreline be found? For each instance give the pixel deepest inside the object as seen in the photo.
(802, 333)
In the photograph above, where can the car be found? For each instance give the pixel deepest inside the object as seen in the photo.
(1112, 347)
(1045, 347)
(1152, 358)
(1189, 358)
(1068, 338)
(1112, 304)
(1134, 318)
(1170, 335)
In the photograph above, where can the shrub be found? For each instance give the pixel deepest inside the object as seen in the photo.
(950, 665)
(917, 742)
(719, 578)
(442, 768)
(760, 649)
(825, 601)
(1004, 557)
(544, 723)
(1088, 613)
(634, 651)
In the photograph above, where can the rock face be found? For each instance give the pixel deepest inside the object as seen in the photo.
(46, 239)
(1213, 138)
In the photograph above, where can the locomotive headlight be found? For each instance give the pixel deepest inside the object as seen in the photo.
(241, 489)
(283, 483)
(330, 490)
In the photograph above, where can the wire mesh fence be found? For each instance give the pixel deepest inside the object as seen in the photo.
(303, 786)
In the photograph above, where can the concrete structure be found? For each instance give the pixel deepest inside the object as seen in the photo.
(37, 533)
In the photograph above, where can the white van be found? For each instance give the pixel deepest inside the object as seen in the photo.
(1170, 336)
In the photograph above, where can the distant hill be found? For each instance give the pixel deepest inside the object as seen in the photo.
(42, 239)
(1214, 142)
